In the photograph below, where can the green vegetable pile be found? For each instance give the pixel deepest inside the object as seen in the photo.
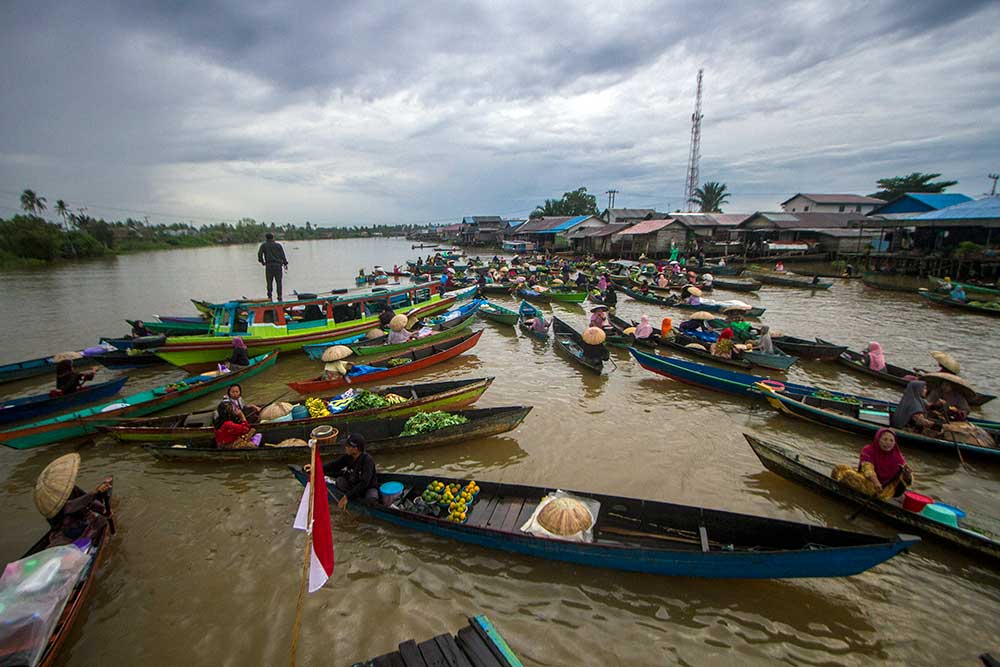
(366, 401)
(424, 422)
(397, 362)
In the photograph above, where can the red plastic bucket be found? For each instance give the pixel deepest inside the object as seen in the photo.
(915, 502)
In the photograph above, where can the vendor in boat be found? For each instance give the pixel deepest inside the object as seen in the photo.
(873, 357)
(707, 279)
(354, 473)
(644, 329)
(232, 430)
(599, 317)
(539, 324)
(593, 344)
(386, 316)
(911, 413)
(881, 471)
(779, 266)
(724, 346)
(72, 513)
(239, 357)
(694, 296)
(662, 281)
(764, 342)
(397, 331)
(957, 293)
(697, 322)
(602, 283)
(581, 280)
(234, 395)
(948, 396)
(67, 379)
(610, 296)
(644, 287)
(334, 366)
(946, 363)
(139, 329)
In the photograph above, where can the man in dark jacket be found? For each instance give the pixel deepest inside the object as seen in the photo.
(272, 256)
(354, 472)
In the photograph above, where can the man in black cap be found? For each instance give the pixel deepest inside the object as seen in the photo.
(354, 472)
(272, 256)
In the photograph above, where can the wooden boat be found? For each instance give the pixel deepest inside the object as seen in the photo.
(199, 328)
(290, 325)
(596, 297)
(478, 645)
(419, 359)
(86, 421)
(737, 285)
(786, 279)
(717, 270)
(315, 351)
(896, 375)
(123, 359)
(808, 349)
(185, 319)
(464, 293)
(74, 605)
(812, 472)
(435, 268)
(30, 407)
(893, 282)
(634, 284)
(553, 295)
(527, 312)
(441, 332)
(847, 416)
(679, 342)
(970, 288)
(205, 308)
(498, 288)
(991, 308)
(708, 306)
(196, 427)
(570, 342)
(380, 435)
(497, 313)
(22, 370)
(645, 535)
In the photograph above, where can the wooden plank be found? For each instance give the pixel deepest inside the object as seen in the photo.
(525, 513)
(431, 654)
(511, 519)
(452, 653)
(703, 534)
(482, 510)
(502, 509)
(387, 660)
(411, 654)
(473, 645)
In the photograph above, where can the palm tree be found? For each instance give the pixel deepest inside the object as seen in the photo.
(62, 210)
(710, 197)
(31, 202)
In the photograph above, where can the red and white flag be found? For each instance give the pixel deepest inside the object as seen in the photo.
(321, 556)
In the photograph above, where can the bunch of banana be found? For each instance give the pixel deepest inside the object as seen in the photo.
(394, 399)
(317, 408)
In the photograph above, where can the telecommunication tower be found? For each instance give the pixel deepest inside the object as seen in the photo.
(694, 156)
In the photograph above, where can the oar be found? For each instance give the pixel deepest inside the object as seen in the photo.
(868, 505)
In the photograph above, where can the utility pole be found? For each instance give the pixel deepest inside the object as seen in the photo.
(611, 198)
(993, 190)
(694, 155)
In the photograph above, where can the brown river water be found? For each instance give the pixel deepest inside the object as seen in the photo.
(205, 567)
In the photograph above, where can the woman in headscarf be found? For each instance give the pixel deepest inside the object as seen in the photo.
(239, 358)
(234, 395)
(723, 347)
(874, 357)
(539, 325)
(232, 431)
(661, 281)
(881, 472)
(602, 283)
(599, 317)
(644, 329)
(695, 296)
(67, 379)
(610, 296)
(911, 413)
(764, 342)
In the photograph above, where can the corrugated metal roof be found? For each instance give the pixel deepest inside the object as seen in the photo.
(645, 227)
(710, 219)
(551, 225)
(836, 199)
(810, 220)
(977, 209)
(607, 230)
(915, 203)
(939, 200)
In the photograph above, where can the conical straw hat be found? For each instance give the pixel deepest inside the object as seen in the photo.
(702, 315)
(275, 411)
(734, 307)
(55, 484)
(371, 334)
(336, 353)
(947, 361)
(67, 356)
(594, 336)
(694, 291)
(959, 382)
(565, 516)
(398, 323)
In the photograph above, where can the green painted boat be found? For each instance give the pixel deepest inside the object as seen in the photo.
(84, 422)
(370, 348)
(499, 314)
(289, 325)
(988, 307)
(553, 295)
(970, 289)
(176, 328)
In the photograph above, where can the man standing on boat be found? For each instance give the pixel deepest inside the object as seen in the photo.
(272, 256)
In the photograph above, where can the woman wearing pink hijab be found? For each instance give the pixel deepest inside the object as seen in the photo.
(644, 329)
(881, 470)
(874, 357)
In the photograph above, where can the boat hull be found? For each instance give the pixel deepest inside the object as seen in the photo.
(22, 409)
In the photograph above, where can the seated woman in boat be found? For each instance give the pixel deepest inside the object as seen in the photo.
(139, 329)
(67, 379)
(602, 283)
(873, 357)
(581, 280)
(780, 266)
(722, 261)
(881, 471)
(610, 296)
(592, 344)
(354, 473)
(239, 357)
(707, 279)
(957, 293)
(72, 513)
(539, 324)
(232, 431)
(644, 329)
(644, 287)
(948, 396)
(662, 281)
(723, 347)
(688, 326)
(694, 296)
(234, 395)
(397, 330)
(764, 342)
(911, 413)
(599, 317)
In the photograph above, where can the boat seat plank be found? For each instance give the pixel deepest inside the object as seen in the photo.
(510, 521)
(703, 536)
(451, 652)
(432, 654)
(503, 508)
(388, 660)
(473, 645)
(525, 513)
(482, 510)
(410, 654)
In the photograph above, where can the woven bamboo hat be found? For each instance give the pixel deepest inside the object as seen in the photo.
(703, 315)
(67, 356)
(324, 435)
(734, 307)
(275, 411)
(947, 362)
(336, 353)
(398, 323)
(565, 516)
(696, 346)
(55, 484)
(959, 382)
(372, 334)
(695, 291)
(558, 281)
(594, 336)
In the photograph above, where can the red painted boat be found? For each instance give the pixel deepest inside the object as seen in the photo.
(420, 358)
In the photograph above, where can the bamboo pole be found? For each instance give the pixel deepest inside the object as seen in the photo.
(306, 554)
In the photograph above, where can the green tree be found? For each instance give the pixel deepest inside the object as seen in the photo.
(710, 197)
(890, 188)
(32, 203)
(577, 202)
(62, 210)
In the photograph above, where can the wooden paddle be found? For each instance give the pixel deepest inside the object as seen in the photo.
(868, 505)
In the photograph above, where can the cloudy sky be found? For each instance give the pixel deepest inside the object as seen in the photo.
(364, 112)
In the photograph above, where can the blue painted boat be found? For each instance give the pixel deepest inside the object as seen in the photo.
(21, 370)
(464, 294)
(315, 351)
(31, 407)
(454, 315)
(643, 535)
(528, 312)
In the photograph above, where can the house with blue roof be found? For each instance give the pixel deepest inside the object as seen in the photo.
(555, 232)
(914, 203)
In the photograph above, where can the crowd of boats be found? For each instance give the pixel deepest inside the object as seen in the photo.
(363, 341)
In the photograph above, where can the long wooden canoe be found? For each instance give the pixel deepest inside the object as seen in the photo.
(896, 375)
(29, 368)
(786, 280)
(83, 422)
(197, 427)
(174, 328)
(805, 469)
(970, 306)
(711, 307)
(30, 407)
(380, 435)
(526, 312)
(645, 535)
(988, 293)
(497, 313)
(570, 342)
(553, 295)
(737, 285)
(419, 359)
(441, 332)
(845, 416)
(808, 349)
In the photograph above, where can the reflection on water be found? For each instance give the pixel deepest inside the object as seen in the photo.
(205, 567)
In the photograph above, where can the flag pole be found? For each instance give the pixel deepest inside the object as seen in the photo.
(307, 553)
